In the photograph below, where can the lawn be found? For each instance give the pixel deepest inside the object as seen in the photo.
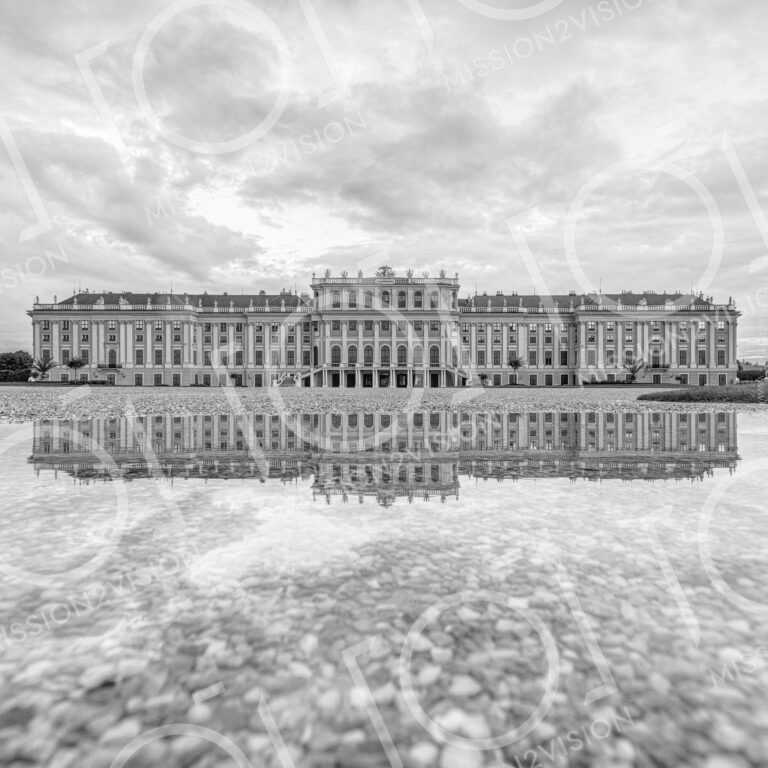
(756, 392)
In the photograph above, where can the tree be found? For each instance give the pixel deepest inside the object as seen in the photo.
(76, 363)
(515, 362)
(15, 361)
(483, 377)
(633, 368)
(41, 366)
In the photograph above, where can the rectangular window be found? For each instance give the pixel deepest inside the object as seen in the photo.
(306, 358)
(591, 357)
(721, 357)
(239, 357)
(353, 326)
(206, 357)
(702, 357)
(275, 358)
(64, 356)
(177, 357)
(548, 357)
(683, 356)
(85, 356)
(158, 357)
(497, 358)
(158, 379)
(139, 357)
(385, 326)
(533, 380)
(138, 379)
(290, 356)
(481, 357)
(532, 357)
(610, 357)
(258, 357)
(563, 357)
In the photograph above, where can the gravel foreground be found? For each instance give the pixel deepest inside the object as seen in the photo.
(20, 404)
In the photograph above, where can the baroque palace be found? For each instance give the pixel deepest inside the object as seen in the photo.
(387, 331)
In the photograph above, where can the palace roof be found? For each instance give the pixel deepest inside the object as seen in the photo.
(240, 301)
(564, 300)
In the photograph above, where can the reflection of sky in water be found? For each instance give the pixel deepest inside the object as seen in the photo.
(53, 522)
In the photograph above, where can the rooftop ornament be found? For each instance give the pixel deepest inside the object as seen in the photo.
(442, 273)
(385, 271)
(359, 272)
(344, 273)
(327, 272)
(409, 272)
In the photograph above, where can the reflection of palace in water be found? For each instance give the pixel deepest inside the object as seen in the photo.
(383, 455)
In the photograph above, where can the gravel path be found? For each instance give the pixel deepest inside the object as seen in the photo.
(19, 404)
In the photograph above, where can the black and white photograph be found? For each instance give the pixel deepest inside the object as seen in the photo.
(383, 384)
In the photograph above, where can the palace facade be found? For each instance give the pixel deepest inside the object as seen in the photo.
(387, 331)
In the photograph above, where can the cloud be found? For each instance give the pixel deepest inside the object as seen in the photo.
(403, 163)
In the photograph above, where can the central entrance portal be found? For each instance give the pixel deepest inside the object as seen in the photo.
(434, 379)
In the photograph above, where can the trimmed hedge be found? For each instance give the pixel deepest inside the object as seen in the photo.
(735, 393)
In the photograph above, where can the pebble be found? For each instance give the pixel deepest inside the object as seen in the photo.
(423, 754)
(455, 757)
(464, 686)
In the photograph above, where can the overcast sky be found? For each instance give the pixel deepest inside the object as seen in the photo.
(525, 144)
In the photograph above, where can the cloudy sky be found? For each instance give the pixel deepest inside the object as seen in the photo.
(525, 144)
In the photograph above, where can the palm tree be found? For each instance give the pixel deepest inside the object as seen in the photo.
(633, 368)
(515, 362)
(75, 364)
(41, 366)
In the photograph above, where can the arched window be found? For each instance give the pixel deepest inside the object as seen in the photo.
(385, 360)
(368, 355)
(433, 300)
(352, 420)
(112, 357)
(335, 421)
(401, 300)
(353, 299)
(385, 420)
(335, 355)
(418, 355)
(368, 299)
(315, 356)
(368, 420)
(385, 299)
(418, 300)
(352, 355)
(434, 356)
(655, 358)
(402, 355)
(336, 299)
